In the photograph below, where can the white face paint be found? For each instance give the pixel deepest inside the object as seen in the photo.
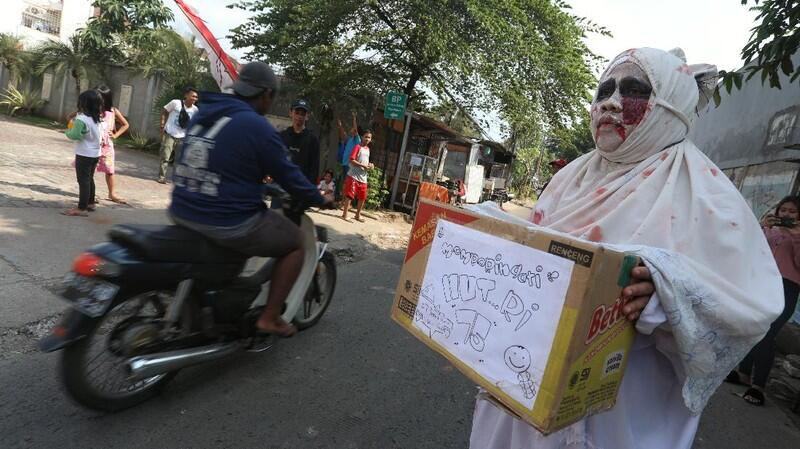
(620, 105)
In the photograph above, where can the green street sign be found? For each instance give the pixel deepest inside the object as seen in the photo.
(395, 105)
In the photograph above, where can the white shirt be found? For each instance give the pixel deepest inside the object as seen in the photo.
(357, 172)
(174, 108)
(89, 146)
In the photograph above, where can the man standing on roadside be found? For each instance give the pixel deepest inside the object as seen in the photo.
(174, 118)
(302, 144)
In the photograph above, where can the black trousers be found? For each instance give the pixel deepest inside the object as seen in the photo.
(84, 171)
(759, 361)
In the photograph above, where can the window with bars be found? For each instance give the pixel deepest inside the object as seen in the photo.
(42, 16)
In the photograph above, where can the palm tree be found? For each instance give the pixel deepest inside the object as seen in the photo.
(167, 54)
(13, 57)
(73, 57)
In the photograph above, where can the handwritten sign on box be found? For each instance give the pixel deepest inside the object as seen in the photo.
(490, 302)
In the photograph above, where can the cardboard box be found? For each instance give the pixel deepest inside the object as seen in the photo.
(531, 316)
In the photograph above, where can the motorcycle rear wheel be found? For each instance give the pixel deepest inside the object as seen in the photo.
(109, 393)
(319, 294)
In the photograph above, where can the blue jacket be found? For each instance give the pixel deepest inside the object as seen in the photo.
(228, 150)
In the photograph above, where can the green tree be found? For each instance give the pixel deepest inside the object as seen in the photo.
(523, 58)
(527, 176)
(570, 142)
(123, 26)
(13, 57)
(771, 46)
(174, 59)
(73, 57)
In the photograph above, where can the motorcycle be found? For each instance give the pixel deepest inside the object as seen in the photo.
(156, 299)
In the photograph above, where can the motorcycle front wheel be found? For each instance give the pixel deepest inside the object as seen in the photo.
(93, 369)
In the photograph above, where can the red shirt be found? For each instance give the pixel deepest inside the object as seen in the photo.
(786, 250)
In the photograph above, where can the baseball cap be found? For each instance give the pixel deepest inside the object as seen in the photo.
(300, 104)
(254, 78)
(561, 163)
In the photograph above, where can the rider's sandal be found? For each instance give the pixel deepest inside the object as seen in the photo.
(290, 331)
(754, 396)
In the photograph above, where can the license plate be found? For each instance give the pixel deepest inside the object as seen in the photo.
(90, 296)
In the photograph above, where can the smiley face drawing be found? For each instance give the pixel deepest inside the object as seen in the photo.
(518, 359)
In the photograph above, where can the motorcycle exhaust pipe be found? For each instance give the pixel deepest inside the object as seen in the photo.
(150, 365)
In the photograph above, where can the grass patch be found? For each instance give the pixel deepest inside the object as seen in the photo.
(35, 120)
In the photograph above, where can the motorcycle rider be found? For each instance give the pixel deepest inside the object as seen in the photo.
(228, 150)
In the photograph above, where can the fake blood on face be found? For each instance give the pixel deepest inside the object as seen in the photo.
(633, 110)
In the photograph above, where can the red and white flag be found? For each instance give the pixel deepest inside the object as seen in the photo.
(222, 68)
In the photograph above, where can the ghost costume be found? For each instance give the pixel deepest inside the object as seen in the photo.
(717, 285)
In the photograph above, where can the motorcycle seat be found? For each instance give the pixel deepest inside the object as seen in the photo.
(173, 244)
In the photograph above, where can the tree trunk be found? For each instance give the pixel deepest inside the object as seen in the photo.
(77, 82)
(412, 82)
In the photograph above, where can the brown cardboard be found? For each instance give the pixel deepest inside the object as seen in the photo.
(590, 347)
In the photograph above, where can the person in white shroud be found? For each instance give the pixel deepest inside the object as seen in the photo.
(709, 287)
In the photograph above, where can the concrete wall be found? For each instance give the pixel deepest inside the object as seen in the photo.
(734, 134)
(63, 95)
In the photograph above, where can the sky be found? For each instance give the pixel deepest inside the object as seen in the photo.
(709, 31)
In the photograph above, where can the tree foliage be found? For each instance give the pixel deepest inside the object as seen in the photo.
(13, 57)
(527, 176)
(570, 142)
(177, 60)
(123, 26)
(771, 46)
(73, 57)
(524, 59)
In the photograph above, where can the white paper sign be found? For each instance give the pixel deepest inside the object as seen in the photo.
(47, 85)
(494, 304)
(125, 93)
(415, 161)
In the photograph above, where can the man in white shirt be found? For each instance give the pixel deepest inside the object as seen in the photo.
(174, 118)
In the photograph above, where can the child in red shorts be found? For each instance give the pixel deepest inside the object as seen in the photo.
(355, 185)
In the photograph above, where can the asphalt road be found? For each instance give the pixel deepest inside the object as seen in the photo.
(356, 380)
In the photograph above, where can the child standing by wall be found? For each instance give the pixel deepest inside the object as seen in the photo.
(111, 117)
(87, 132)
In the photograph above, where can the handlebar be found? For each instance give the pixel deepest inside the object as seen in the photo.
(275, 191)
(292, 207)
